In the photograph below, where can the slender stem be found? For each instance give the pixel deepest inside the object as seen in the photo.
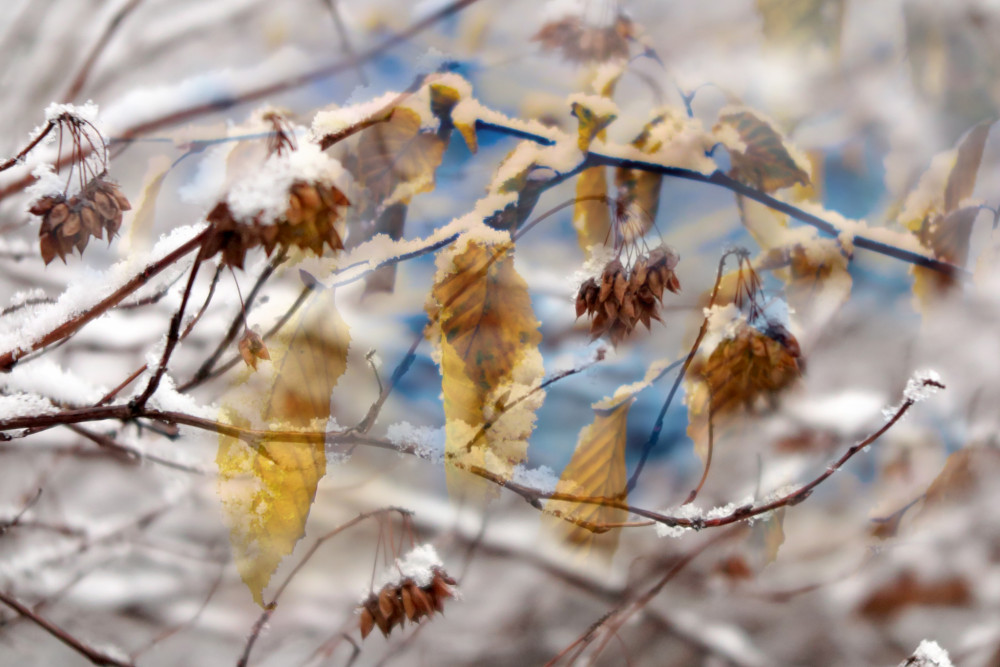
(173, 336)
(95, 52)
(654, 436)
(90, 653)
(7, 164)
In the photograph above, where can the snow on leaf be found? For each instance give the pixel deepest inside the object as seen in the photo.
(768, 162)
(396, 160)
(932, 212)
(268, 486)
(597, 470)
(488, 339)
(593, 114)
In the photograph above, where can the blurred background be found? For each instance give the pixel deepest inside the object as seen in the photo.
(129, 550)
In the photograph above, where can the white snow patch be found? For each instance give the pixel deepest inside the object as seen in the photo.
(922, 385)
(542, 478)
(427, 441)
(418, 565)
(928, 654)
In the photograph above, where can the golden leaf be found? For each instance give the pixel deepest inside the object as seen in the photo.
(395, 154)
(267, 487)
(589, 124)
(766, 162)
(591, 215)
(597, 470)
(490, 365)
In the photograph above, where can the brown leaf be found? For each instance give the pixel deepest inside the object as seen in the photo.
(766, 163)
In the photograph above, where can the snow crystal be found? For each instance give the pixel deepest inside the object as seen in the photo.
(928, 654)
(17, 405)
(19, 330)
(419, 565)
(598, 104)
(922, 385)
(333, 121)
(724, 322)
(688, 511)
(86, 113)
(542, 478)
(47, 182)
(265, 193)
(44, 377)
(427, 442)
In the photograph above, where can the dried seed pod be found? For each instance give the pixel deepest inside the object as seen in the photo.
(367, 622)
(405, 600)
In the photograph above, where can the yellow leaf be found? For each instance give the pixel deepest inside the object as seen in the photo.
(488, 339)
(590, 124)
(967, 473)
(766, 538)
(395, 160)
(267, 487)
(591, 216)
(766, 161)
(597, 470)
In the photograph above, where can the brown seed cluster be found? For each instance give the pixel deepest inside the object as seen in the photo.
(753, 364)
(623, 298)
(70, 223)
(399, 602)
(308, 223)
(580, 42)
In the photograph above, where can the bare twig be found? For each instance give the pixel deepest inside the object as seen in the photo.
(90, 653)
(9, 358)
(95, 52)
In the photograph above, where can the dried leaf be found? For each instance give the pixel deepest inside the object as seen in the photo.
(395, 160)
(390, 222)
(590, 124)
(597, 470)
(965, 474)
(766, 161)
(488, 337)
(907, 590)
(268, 487)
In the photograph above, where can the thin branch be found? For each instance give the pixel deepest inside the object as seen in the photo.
(95, 52)
(238, 322)
(71, 326)
(90, 653)
(173, 335)
(7, 164)
(654, 436)
(596, 159)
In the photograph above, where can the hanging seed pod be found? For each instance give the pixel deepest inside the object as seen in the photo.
(405, 600)
(71, 223)
(624, 298)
